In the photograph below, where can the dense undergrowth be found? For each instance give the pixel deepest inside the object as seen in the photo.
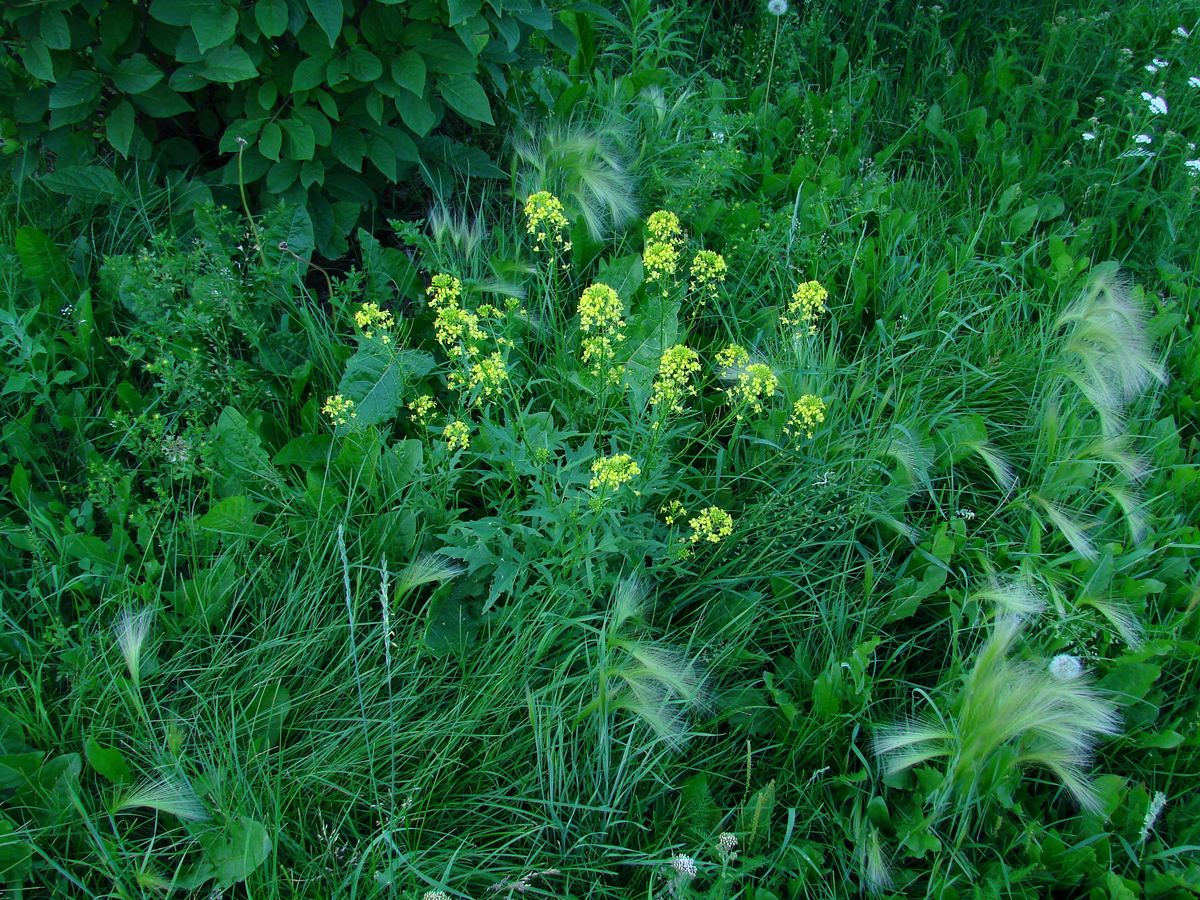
(780, 483)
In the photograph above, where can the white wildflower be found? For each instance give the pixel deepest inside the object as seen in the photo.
(1182, 32)
(777, 7)
(1161, 63)
(1193, 166)
(1089, 135)
(435, 895)
(684, 864)
(1065, 667)
(1194, 81)
(1142, 139)
(1158, 105)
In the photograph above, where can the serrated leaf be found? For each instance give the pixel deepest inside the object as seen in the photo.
(328, 14)
(465, 96)
(213, 24)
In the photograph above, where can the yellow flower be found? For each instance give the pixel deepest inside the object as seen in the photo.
(673, 512)
(443, 290)
(663, 226)
(421, 409)
(733, 357)
(679, 364)
(339, 409)
(755, 386)
(457, 435)
(661, 254)
(454, 325)
(490, 375)
(600, 311)
(712, 525)
(807, 413)
(805, 308)
(545, 221)
(610, 472)
(707, 275)
(370, 316)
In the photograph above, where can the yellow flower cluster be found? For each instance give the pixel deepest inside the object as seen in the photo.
(755, 386)
(805, 308)
(807, 413)
(733, 357)
(600, 311)
(454, 325)
(370, 316)
(546, 221)
(673, 384)
(421, 409)
(673, 512)
(490, 375)
(339, 409)
(443, 290)
(660, 258)
(610, 472)
(707, 275)
(457, 435)
(713, 525)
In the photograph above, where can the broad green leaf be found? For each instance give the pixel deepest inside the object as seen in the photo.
(175, 12)
(108, 761)
(52, 25)
(314, 119)
(36, 58)
(92, 184)
(213, 24)
(328, 14)
(42, 261)
(376, 377)
(408, 71)
(79, 87)
(301, 143)
(233, 852)
(271, 16)
(233, 515)
(465, 96)
(416, 113)
(136, 74)
(309, 74)
(364, 65)
(239, 454)
(349, 147)
(270, 140)
(161, 102)
(16, 854)
(461, 10)
(118, 128)
(447, 58)
(228, 65)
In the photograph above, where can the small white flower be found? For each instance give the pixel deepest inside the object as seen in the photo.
(1065, 667)
(777, 7)
(1151, 68)
(1194, 81)
(1157, 802)
(1142, 139)
(684, 864)
(1193, 166)
(1158, 105)
(727, 841)
(435, 895)
(719, 137)
(1089, 135)
(1181, 31)
(1161, 63)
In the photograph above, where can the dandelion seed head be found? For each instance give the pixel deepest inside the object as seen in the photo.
(777, 7)
(1065, 667)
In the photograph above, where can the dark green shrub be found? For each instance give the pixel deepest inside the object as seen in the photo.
(325, 104)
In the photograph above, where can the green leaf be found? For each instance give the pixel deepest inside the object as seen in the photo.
(271, 16)
(16, 854)
(36, 58)
(42, 261)
(266, 713)
(175, 12)
(213, 24)
(408, 71)
(270, 140)
(52, 25)
(92, 184)
(108, 761)
(349, 147)
(309, 74)
(136, 74)
(233, 515)
(161, 102)
(232, 853)
(364, 65)
(375, 379)
(328, 14)
(239, 453)
(416, 113)
(119, 127)
(301, 142)
(461, 10)
(465, 96)
(77, 88)
(228, 65)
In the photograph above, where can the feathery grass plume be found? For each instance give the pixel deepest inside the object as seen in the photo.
(168, 793)
(1011, 597)
(459, 236)
(425, 569)
(131, 630)
(584, 167)
(1001, 469)
(1119, 616)
(1108, 355)
(876, 871)
(1009, 713)
(1074, 532)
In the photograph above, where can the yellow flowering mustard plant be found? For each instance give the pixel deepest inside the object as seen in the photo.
(733, 357)
(454, 326)
(660, 257)
(672, 512)
(489, 375)
(805, 308)
(673, 384)
(609, 473)
(755, 386)
(711, 526)
(443, 290)
(807, 413)
(546, 221)
(421, 409)
(457, 435)
(371, 317)
(600, 319)
(339, 409)
(706, 276)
